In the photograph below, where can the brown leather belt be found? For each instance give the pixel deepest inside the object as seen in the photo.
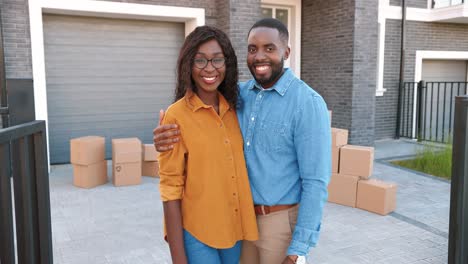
(265, 209)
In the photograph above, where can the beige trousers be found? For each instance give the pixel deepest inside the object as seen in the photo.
(275, 233)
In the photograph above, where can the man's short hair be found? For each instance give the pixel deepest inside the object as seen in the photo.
(275, 24)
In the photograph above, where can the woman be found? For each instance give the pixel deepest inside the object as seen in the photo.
(208, 207)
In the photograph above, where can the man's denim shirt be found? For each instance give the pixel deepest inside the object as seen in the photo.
(287, 145)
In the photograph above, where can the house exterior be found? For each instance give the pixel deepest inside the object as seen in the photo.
(436, 51)
(107, 67)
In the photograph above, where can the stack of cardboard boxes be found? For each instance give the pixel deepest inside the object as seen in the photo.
(87, 155)
(150, 165)
(350, 184)
(130, 160)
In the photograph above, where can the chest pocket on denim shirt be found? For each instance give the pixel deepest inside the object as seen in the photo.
(271, 136)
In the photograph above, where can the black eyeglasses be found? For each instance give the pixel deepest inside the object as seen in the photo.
(201, 63)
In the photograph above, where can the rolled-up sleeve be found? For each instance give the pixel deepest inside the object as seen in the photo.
(172, 168)
(312, 141)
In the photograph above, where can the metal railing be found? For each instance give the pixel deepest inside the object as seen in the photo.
(458, 227)
(426, 110)
(24, 172)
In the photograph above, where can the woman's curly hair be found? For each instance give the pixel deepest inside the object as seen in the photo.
(228, 87)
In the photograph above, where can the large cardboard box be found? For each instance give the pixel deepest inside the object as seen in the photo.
(343, 189)
(87, 150)
(149, 152)
(89, 176)
(357, 161)
(150, 168)
(376, 196)
(126, 161)
(339, 137)
(335, 159)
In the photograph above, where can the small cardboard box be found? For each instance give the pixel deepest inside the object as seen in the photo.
(342, 189)
(376, 196)
(335, 159)
(357, 161)
(149, 153)
(339, 137)
(89, 176)
(87, 150)
(126, 161)
(124, 174)
(150, 168)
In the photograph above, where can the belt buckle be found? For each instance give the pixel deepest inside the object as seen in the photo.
(265, 210)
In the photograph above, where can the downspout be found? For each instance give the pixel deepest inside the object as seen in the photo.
(3, 91)
(402, 65)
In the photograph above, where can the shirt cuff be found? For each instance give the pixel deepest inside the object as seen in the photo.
(170, 193)
(303, 240)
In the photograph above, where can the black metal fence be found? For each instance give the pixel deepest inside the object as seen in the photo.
(458, 228)
(24, 173)
(426, 110)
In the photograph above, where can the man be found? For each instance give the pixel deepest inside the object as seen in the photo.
(287, 147)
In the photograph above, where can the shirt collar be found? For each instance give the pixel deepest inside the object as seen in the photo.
(195, 103)
(281, 86)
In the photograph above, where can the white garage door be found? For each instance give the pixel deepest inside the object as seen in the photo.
(107, 77)
(444, 71)
(444, 79)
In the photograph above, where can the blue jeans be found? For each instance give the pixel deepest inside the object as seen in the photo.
(199, 253)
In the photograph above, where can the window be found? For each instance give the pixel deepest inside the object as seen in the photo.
(445, 3)
(283, 15)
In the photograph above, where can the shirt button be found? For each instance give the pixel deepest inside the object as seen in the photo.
(234, 194)
(235, 210)
(253, 118)
(261, 95)
(248, 143)
(226, 141)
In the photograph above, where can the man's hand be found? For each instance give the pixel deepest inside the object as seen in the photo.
(288, 260)
(165, 135)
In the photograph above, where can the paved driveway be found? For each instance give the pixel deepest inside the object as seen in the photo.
(114, 225)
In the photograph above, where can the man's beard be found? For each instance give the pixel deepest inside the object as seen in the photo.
(276, 71)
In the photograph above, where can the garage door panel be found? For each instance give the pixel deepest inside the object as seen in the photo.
(107, 77)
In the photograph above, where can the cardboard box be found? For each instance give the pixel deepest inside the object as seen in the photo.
(149, 152)
(343, 189)
(89, 176)
(376, 196)
(150, 168)
(87, 150)
(357, 161)
(335, 159)
(126, 161)
(124, 174)
(125, 150)
(339, 137)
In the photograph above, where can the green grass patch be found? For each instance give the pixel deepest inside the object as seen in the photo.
(431, 160)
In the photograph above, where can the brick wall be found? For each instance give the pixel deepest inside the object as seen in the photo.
(17, 43)
(339, 42)
(410, 3)
(420, 36)
(236, 17)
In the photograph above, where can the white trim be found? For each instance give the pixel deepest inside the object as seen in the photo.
(431, 55)
(192, 17)
(381, 56)
(296, 11)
